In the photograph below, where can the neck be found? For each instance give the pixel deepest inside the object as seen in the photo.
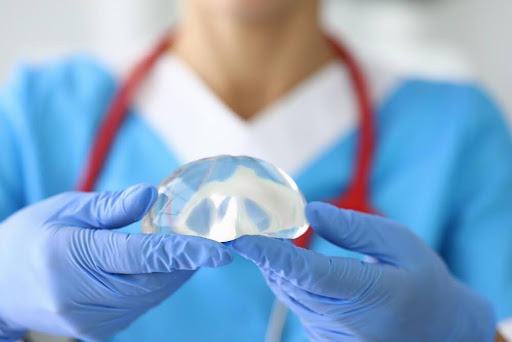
(250, 65)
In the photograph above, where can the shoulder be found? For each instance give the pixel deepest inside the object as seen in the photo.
(448, 118)
(435, 114)
(76, 77)
(74, 72)
(441, 99)
(49, 114)
(41, 99)
(452, 111)
(427, 87)
(428, 98)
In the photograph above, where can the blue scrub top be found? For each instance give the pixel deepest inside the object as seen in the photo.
(443, 168)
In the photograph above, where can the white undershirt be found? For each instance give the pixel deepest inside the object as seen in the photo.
(290, 133)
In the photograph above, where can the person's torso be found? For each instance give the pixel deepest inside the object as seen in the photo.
(312, 134)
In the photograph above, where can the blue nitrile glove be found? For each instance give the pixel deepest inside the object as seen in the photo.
(63, 271)
(409, 295)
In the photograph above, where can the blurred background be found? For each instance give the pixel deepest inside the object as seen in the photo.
(456, 37)
(464, 37)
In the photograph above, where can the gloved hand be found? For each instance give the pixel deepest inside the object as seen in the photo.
(63, 271)
(408, 295)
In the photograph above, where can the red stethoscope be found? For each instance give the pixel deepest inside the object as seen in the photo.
(356, 197)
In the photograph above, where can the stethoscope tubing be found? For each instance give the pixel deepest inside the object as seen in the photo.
(356, 197)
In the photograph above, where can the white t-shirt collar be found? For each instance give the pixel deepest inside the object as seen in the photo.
(290, 133)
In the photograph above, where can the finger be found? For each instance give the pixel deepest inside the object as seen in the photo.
(303, 302)
(124, 253)
(304, 313)
(309, 270)
(147, 287)
(383, 239)
(107, 209)
(285, 298)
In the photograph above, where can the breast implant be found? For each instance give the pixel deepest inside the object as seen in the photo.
(224, 197)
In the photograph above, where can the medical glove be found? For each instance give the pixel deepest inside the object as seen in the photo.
(64, 271)
(407, 294)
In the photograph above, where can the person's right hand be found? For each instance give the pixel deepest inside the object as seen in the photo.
(63, 271)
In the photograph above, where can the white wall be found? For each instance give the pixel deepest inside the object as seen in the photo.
(484, 30)
(471, 34)
(468, 35)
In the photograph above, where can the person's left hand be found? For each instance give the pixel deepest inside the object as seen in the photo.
(408, 295)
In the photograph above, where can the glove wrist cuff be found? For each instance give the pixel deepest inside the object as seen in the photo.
(7, 334)
(476, 320)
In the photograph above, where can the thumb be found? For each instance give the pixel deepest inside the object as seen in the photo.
(116, 252)
(376, 236)
(109, 209)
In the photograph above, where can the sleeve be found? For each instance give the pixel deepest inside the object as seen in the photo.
(48, 117)
(478, 246)
(11, 184)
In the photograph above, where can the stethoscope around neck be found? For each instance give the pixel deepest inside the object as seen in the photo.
(356, 196)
